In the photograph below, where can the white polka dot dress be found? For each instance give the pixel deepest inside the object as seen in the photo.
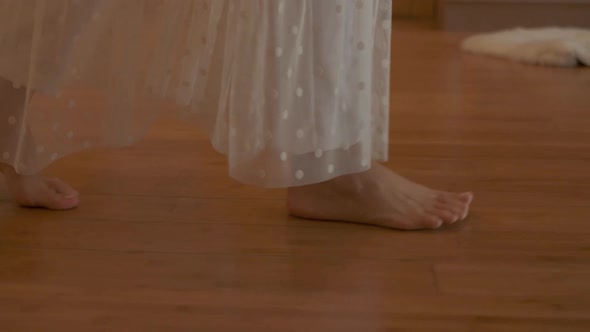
(293, 92)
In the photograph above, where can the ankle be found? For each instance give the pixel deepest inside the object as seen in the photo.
(6, 169)
(348, 185)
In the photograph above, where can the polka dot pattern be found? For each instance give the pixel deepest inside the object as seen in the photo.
(299, 99)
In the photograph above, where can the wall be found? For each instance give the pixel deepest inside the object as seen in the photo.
(482, 15)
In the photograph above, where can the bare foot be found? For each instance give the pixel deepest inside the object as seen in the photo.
(379, 197)
(40, 192)
(36, 190)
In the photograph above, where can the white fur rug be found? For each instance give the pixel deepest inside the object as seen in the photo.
(562, 47)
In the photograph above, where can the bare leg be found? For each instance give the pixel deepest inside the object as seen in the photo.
(35, 190)
(379, 197)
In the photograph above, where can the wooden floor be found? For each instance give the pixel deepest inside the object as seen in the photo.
(164, 241)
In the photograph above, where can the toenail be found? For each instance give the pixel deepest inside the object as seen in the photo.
(438, 224)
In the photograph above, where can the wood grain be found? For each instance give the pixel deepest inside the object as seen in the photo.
(164, 241)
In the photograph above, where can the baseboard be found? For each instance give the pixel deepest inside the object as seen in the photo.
(487, 15)
(417, 9)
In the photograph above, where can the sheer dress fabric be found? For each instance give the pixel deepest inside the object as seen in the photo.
(293, 92)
